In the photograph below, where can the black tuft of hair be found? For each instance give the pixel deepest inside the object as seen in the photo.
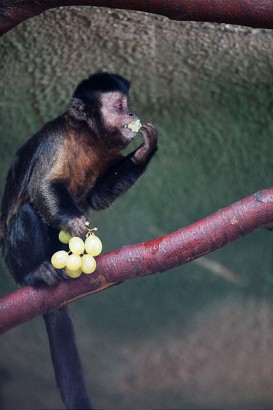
(101, 83)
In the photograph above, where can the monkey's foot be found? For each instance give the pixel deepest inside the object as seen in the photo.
(44, 274)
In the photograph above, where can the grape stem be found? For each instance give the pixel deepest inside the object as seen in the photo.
(146, 258)
(90, 231)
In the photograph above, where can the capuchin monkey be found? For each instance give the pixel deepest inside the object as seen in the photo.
(72, 164)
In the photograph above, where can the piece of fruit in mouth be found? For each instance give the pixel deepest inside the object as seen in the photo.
(134, 125)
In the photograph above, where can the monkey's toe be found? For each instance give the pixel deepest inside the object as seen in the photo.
(44, 274)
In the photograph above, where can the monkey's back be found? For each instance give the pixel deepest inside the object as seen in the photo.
(39, 148)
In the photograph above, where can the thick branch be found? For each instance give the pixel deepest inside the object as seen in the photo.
(254, 13)
(130, 262)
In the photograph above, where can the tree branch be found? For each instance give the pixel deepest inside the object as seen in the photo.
(130, 262)
(254, 13)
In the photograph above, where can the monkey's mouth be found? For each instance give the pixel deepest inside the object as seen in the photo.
(130, 129)
(128, 133)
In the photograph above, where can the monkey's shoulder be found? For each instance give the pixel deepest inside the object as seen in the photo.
(39, 149)
(46, 139)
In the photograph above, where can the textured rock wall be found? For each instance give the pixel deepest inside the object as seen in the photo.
(192, 337)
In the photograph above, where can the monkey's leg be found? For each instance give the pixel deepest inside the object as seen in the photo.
(27, 247)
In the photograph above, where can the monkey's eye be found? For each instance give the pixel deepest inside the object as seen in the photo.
(119, 106)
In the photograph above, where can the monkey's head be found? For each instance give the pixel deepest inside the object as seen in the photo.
(102, 102)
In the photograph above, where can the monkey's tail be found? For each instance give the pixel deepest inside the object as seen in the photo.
(66, 361)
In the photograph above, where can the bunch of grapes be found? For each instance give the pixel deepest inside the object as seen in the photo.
(80, 258)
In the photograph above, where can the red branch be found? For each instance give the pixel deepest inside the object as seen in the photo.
(254, 13)
(130, 262)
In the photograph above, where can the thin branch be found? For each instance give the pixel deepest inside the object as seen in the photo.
(254, 13)
(130, 262)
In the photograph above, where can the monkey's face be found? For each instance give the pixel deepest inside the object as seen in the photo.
(116, 116)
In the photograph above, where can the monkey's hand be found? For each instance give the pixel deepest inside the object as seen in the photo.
(77, 226)
(122, 175)
(146, 150)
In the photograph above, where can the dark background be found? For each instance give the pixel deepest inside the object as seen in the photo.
(199, 336)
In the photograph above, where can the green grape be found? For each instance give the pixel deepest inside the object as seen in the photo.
(134, 126)
(73, 262)
(59, 259)
(93, 245)
(88, 264)
(64, 236)
(76, 245)
(73, 273)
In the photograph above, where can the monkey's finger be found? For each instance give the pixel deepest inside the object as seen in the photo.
(77, 226)
(150, 135)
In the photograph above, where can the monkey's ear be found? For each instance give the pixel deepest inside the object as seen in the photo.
(77, 109)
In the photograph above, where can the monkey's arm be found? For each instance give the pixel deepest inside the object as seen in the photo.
(57, 207)
(126, 172)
